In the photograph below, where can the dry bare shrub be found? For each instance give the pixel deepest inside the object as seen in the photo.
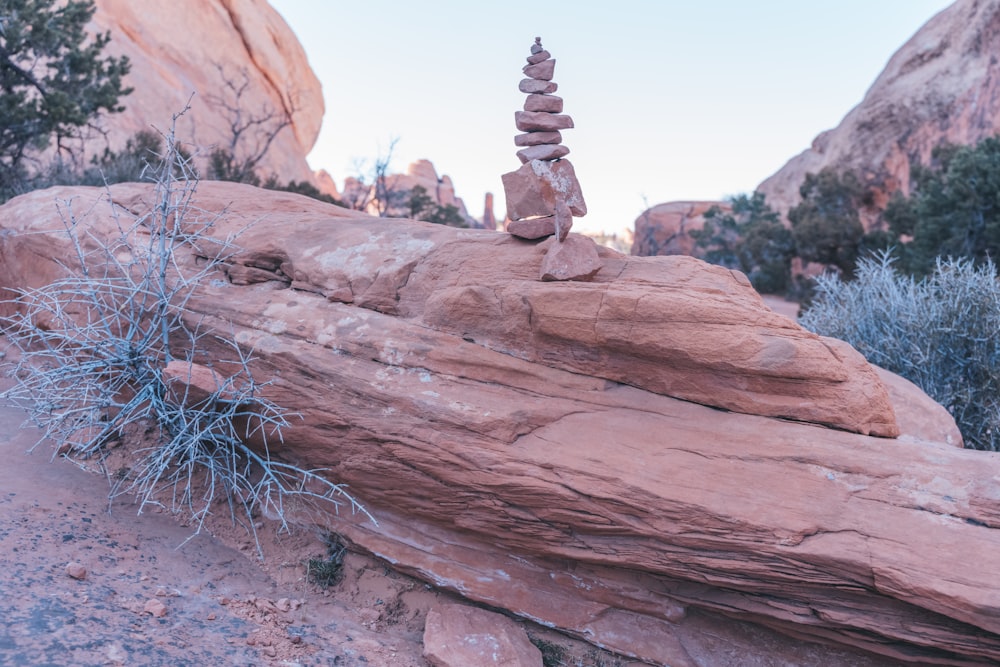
(95, 344)
(942, 333)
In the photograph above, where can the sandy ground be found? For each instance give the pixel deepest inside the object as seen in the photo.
(789, 309)
(155, 595)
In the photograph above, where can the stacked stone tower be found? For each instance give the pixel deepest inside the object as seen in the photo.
(541, 120)
(544, 194)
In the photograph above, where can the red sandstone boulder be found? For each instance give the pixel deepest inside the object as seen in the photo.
(519, 442)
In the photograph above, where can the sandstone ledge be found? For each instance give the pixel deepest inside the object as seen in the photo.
(503, 463)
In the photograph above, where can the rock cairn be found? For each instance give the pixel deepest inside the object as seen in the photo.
(542, 118)
(544, 194)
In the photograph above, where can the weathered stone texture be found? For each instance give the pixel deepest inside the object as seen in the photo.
(584, 453)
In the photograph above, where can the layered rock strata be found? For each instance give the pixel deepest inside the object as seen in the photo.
(519, 442)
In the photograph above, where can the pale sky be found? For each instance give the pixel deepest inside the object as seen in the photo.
(672, 99)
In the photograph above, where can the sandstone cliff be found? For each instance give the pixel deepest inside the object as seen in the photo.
(520, 444)
(192, 46)
(943, 85)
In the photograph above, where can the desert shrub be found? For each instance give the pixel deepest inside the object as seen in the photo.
(752, 239)
(301, 188)
(553, 655)
(826, 224)
(142, 151)
(939, 332)
(953, 208)
(107, 352)
(141, 154)
(327, 570)
(423, 207)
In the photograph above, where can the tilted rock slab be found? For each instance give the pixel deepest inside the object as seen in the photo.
(516, 443)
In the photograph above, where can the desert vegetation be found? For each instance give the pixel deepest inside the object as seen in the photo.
(918, 295)
(374, 190)
(938, 331)
(106, 355)
(752, 239)
(54, 81)
(952, 211)
(824, 228)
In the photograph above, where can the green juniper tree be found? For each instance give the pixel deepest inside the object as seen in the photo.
(826, 225)
(750, 238)
(54, 80)
(954, 208)
(423, 207)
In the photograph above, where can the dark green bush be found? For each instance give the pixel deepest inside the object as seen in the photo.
(54, 81)
(750, 238)
(423, 207)
(939, 332)
(954, 208)
(826, 224)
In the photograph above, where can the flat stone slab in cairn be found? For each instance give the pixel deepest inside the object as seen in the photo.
(542, 152)
(534, 228)
(537, 138)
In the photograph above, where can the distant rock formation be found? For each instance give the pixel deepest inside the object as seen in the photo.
(420, 173)
(943, 85)
(520, 442)
(489, 217)
(192, 46)
(663, 229)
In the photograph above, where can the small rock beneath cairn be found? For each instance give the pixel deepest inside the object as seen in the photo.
(76, 571)
(573, 259)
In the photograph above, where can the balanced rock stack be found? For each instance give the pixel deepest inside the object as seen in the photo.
(542, 117)
(544, 194)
